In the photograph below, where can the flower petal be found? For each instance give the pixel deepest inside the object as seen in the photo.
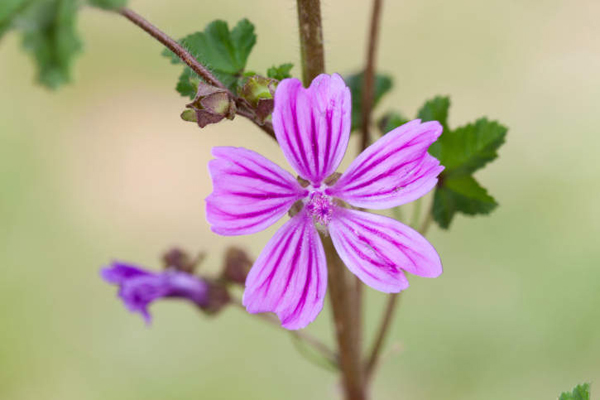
(394, 170)
(138, 287)
(289, 277)
(378, 249)
(250, 193)
(120, 272)
(313, 125)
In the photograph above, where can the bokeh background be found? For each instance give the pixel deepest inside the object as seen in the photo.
(105, 169)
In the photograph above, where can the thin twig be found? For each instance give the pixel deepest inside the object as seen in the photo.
(311, 39)
(307, 338)
(388, 314)
(193, 63)
(368, 92)
(381, 334)
(172, 45)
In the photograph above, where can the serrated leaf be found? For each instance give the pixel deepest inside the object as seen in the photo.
(391, 121)
(460, 194)
(108, 4)
(383, 84)
(436, 109)
(49, 33)
(187, 84)
(580, 392)
(468, 148)
(280, 72)
(224, 52)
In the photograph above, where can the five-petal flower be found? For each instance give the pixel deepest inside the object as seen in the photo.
(251, 193)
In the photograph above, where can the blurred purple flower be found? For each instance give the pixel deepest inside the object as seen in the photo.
(251, 193)
(138, 287)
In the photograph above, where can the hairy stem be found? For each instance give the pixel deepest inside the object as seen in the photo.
(172, 45)
(346, 326)
(193, 63)
(311, 39)
(388, 315)
(368, 92)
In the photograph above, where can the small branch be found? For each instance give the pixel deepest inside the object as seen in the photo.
(388, 314)
(305, 337)
(368, 93)
(346, 327)
(381, 335)
(193, 63)
(267, 127)
(172, 45)
(311, 39)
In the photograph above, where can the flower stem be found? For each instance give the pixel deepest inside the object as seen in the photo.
(193, 63)
(172, 45)
(302, 336)
(388, 314)
(311, 39)
(346, 325)
(368, 92)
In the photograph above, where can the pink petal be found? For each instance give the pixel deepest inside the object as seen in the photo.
(250, 193)
(378, 249)
(313, 125)
(394, 170)
(289, 277)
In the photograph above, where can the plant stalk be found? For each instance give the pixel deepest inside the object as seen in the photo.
(368, 92)
(342, 290)
(340, 286)
(193, 63)
(303, 336)
(388, 314)
(311, 39)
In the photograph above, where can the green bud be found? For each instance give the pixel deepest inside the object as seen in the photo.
(211, 105)
(258, 91)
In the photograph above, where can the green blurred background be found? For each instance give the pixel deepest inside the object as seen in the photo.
(105, 169)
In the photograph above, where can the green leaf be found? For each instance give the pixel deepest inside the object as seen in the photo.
(460, 194)
(49, 33)
(9, 10)
(436, 109)
(108, 4)
(224, 52)
(468, 148)
(187, 84)
(391, 121)
(280, 72)
(383, 84)
(581, 392)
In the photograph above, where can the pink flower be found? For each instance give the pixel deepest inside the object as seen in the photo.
(251, 193)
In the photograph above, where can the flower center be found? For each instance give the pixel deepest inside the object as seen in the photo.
(320, 207)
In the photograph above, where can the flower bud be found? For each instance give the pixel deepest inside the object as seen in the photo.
(236, 266)
(180, 260)
(210, 106)
(258, 91)
(217, 298)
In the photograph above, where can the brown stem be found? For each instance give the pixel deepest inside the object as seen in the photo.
(381, 334)
(346, 327)
(388, 314)
(267, 127)
(311, 39)
(368, 92)
(172, 45)
(319, 346)
(193, 63)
